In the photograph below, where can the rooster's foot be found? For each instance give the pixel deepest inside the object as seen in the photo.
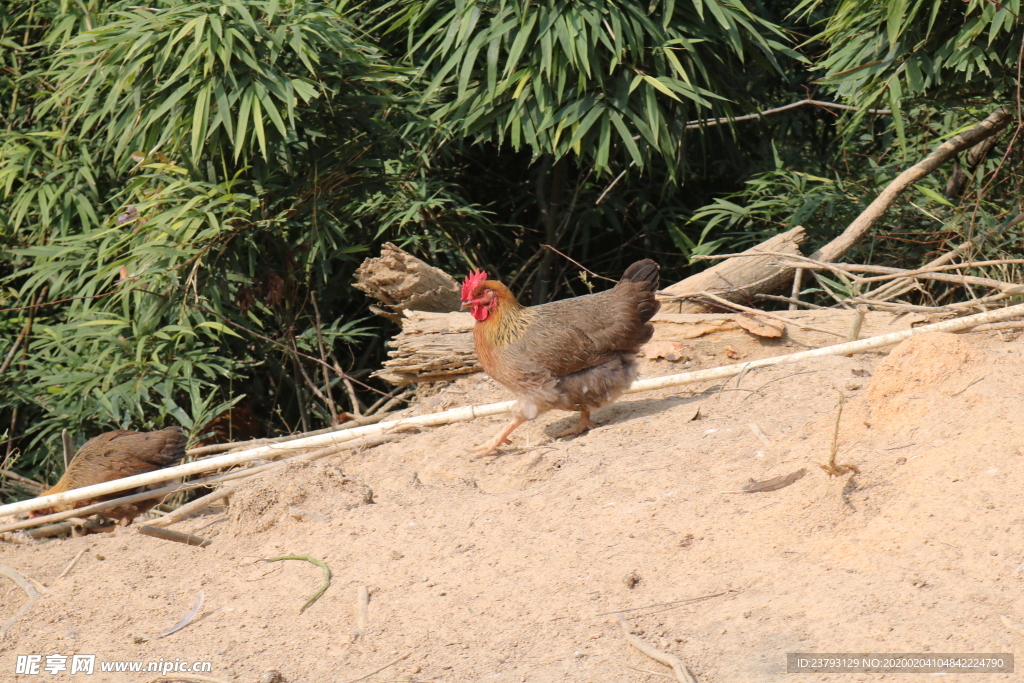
(583, 425)
(486, 448)
(493, 444)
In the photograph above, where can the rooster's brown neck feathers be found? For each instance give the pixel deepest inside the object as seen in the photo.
(508, 319)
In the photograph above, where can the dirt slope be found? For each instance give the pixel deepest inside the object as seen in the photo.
(504, 569)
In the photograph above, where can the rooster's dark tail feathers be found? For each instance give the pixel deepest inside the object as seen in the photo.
(644, 273)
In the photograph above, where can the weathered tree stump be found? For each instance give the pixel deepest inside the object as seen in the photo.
(402, 282)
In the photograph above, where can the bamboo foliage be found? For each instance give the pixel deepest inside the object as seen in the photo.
(899, 51)
(182, 178)
(609, 82)
(222, 83)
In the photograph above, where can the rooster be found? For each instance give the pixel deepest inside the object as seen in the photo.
(574, 354)
(114, 455)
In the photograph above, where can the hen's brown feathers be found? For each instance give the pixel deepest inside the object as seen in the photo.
(115, 455)
(574, 354)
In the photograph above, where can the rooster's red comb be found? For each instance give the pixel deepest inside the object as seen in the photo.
(471, 282)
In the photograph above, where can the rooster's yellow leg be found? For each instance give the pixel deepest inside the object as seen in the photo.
(583, 425)
(502, 437)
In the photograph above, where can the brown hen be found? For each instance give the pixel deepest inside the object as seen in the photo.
(574, 354)
(115, 455)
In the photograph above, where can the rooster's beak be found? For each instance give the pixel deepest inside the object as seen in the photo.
(465, 305)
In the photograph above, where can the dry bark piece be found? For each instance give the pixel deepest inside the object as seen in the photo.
(758, 327)
(669, 350)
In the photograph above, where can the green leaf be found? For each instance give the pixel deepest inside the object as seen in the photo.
(627, 138)
(220, 327)
(661, 87)
(934, 196)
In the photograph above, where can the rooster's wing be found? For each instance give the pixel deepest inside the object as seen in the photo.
(567, 336)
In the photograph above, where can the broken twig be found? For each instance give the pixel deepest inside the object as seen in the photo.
(23, 583)
(73, 563)
(176, 536)
(671, 661)
(363, 598)
(377, 671)
(831, 467)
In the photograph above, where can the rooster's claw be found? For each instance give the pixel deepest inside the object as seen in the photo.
(583, 425)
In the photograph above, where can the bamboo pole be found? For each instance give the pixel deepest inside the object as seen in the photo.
(846, 349)
(243, 474)
(472, 412)
(239, 457)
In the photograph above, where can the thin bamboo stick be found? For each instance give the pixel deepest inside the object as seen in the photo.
(472, 412)
(846, 349)
(238, 457)
(244, 474)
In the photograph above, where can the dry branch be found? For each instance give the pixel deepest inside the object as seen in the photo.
(176, 536)
(377, 671)
(996, 121)
(221, 447)
(777, 274)
(473, 412)
(72, 526)
(889, 273)
(187, 509)
(89, 509)
(74, 562)
(25, 481)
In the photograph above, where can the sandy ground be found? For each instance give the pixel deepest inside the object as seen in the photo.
(507, 568)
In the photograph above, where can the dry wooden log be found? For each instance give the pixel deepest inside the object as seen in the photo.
(436, 347)
(737, 279)
(402, 282)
